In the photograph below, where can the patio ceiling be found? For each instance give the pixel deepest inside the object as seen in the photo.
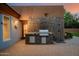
(18, 7)
(35, 4)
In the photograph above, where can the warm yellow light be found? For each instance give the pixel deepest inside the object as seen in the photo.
(15, 23)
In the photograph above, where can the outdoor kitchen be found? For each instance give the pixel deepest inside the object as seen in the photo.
(47, 29)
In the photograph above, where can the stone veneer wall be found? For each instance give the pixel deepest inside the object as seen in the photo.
(53, 24)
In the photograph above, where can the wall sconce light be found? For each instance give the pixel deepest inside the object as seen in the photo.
(15, 24)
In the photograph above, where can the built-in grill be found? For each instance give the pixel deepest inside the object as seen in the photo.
(43, 32)
(41, 37)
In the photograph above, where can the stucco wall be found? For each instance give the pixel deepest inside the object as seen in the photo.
(1, 32)
(15, 34)
(37, 11)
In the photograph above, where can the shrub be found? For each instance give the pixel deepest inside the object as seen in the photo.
(68, 35)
